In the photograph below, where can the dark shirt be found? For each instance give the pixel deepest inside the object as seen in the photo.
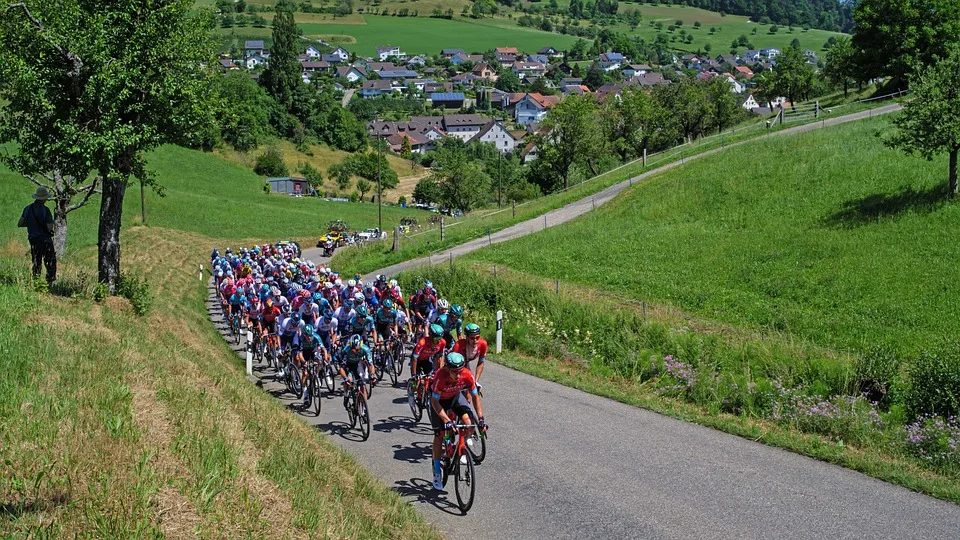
(37, 217)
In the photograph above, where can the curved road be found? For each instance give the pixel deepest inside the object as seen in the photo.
(566, 464)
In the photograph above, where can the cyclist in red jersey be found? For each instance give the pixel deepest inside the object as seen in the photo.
(451, 385)
(270, 313)
(473, 347)
(421, 359)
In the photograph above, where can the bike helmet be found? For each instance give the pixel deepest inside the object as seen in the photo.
(359, 297)
(428, 284)
(317, 296)
(436, 331)
(455, 361)
(388, 304)
(328, 314)
(351, 283)
(443, 304)
(382, 277)
(296, 316)
(356, 341)
(348, 303)
(472, 329)
(308, 329)
(393, 283)
(362, 310)
(456, 310)
(286, 309)
(328, 285)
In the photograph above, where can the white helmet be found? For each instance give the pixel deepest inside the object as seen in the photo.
(359, 298)
(443, 304)
(328, 285)
(352, 283)
(393, 283)
(338, 282)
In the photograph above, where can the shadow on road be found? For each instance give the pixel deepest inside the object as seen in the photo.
(422, 490)
(881, 206)
(397, 423)
(418, 452)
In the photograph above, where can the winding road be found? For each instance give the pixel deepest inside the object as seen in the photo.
(566, 464)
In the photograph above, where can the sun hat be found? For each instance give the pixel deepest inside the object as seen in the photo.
(42, 194)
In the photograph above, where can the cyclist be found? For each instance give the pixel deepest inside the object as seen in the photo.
(271, 312)
(252, 310)
(442, 307)
(473, 347)
(289, 328)
(451, 321)
(428, 348)
(360, 324)
(327, 329)
(343, 314)
(236, 301)
(352, 356)
(311, 346)
(385, 320)
(451, 386)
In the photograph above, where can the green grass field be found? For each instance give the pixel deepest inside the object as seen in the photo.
(117, 425)
(424, 35)
(831, 238)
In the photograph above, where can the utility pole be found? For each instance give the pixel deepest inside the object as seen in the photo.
(500, 170)
(379, 187)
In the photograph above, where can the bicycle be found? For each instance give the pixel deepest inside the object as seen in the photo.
(417, 395)
(356, 406)
(235, 327)
(328, 370)
(395, 355)
(313, 386)
(291, 375)
(456, 463)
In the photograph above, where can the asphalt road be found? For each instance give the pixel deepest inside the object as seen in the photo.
(562, 463)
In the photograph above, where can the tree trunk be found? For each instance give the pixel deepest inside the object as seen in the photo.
(953, 172)
(60, 226)
(111, 211)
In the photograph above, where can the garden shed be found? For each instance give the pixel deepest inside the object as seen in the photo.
(290, 185)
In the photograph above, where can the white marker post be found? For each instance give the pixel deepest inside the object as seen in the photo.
(499, 331)
(201, 273)
(249, 352)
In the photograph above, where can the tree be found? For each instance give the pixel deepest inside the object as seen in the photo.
(426, 191)
(686, 99)
(282, 77)
(366, 166)
(92, 86)
(571, 136)
(508, 81)
(792, 77)
(64, 189)
(243, 110)
(840, 68)
(270, 163)
(405, 149)
(891, 37)
(312, 174)
(363, 186)
(930, 121)
(343, 131)
(723, 104)
(341, 175)
(595, 77)
(460, 180)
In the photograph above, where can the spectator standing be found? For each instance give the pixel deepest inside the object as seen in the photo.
(38, 220)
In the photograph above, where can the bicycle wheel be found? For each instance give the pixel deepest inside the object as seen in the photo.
(479, 450)
(296, 384)
(363, 415)
(329, 378)
(236, 331)
(315, 392)
(464, 483)
(379, 361)
(351, 409)
(392, 370)
(398, 358)
(414, 402)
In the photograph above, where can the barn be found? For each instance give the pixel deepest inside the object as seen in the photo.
(447, 100)
(290, 186)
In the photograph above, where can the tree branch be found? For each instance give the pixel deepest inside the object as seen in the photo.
(38, 183)
(75, 61)
(91, 189)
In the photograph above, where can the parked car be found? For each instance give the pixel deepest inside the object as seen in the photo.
(371, 234)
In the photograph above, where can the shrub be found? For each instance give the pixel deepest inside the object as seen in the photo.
(270, 163)
(875, 373)
(135, 288)
(935, 440)
(846, 418)
(934, 387)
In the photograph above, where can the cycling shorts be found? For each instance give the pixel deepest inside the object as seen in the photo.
(351, 367)
(424, 366)
(384, 330)
(458, 405)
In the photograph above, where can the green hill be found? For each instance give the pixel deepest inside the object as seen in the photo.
(827, 236)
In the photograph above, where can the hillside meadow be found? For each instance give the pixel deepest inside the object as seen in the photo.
(828, 237)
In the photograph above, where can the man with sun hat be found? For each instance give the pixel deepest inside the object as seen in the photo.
(38, 220)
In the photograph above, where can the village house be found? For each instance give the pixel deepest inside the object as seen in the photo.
(376, 88)
(312, 52)
(649, 80)
(749, 102)
(745, 72)
(417, 61)
(736, 86)
(465, 79)
(527, 70)
(485, 72)
(315, 66)
(539, 58)
(575, 90)
(551, 52)
(434, 87)
(769, 54)
(255, 61)
(450, 53)
(397, 74)
(749, 56)
(494, 132)
(351, 74)
(390, 50)
(636, 69)
(611, 61)
(228, 65)
(254, 47)
(505, 59)
(463, 126)
(533, 107)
